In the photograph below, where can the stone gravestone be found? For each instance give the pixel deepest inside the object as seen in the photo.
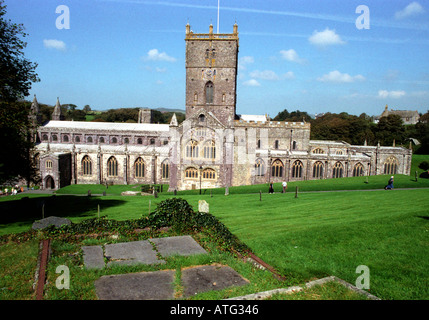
(203, 206)
(46, 222)
(226, 191)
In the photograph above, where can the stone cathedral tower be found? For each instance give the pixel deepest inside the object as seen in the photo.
(211, 73)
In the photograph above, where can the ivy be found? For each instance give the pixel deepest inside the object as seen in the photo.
(174, 213)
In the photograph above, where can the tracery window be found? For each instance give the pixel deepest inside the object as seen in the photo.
(318, 151)
(192, 149)
(358, 170)
(139, 168)
(390, 165)
(318, 170)
(191, 173)
(112, 167)
(297, 169)
(86, 166)
(209, 174)
(210, 150)
(260, 167)
(277, 168)
(338, 170)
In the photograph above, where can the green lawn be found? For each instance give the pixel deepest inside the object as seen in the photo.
(315, 235)
(312, 236)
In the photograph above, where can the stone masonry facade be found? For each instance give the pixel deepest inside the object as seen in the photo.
(213, 147)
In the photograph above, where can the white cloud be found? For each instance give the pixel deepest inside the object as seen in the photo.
(384, 94)
(160, 70)
(325, 38)
(336, 76)
(155, 55)
(264, 75)
(271, 75)
(54, 44)
(291, 55)
(289, 75)
(252, 83)
(244, 61)
(414, 8)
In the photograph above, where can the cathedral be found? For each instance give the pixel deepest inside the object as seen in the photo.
(213, 147)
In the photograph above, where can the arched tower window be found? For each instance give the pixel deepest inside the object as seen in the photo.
(209, 89)
(210, 150)
(192, 149)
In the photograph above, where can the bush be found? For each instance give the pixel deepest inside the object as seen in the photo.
(424, 165)
(178, 214)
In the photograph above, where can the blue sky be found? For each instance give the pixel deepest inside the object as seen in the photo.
(296, 55)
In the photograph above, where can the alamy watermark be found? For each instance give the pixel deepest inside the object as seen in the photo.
(362, 282)
(63, 280)
(363, 21)
(63, 20)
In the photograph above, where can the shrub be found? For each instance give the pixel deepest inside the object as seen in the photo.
(424, 165)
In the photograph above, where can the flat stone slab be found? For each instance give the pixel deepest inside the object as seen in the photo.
(46, 222)
(130, 253)
(180, 245)
(156, 285)
(208, 278)
(93, 257)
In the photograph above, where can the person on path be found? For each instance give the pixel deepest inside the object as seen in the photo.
(271, 189)
(284, 186)
(390, 184)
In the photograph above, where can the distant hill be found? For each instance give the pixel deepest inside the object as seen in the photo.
(170, 110)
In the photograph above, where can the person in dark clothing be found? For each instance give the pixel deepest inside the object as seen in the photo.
(271, 189)
(389, 184)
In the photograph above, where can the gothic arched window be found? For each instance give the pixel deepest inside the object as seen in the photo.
(86, 166)
(164, 169)
(192, 149)
(297, 169)
(112, 167)
(337, 171)
(260, 167)
(210, 150)
(139, 168)
(191, 173)
(390, 165)
(358, 170)
(277, 169)
(209, 174)
(318, 169)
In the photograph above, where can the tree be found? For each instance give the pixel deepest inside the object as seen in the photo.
(87, 108)
(16, 77)
(16, 72)
(389, 129)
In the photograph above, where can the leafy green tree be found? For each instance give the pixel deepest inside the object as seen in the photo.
(16, 72)
(16, 76)
(389, 129)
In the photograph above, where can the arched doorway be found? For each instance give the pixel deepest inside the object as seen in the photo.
(49, 183)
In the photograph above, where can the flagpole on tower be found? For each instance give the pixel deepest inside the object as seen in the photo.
(218, 5)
